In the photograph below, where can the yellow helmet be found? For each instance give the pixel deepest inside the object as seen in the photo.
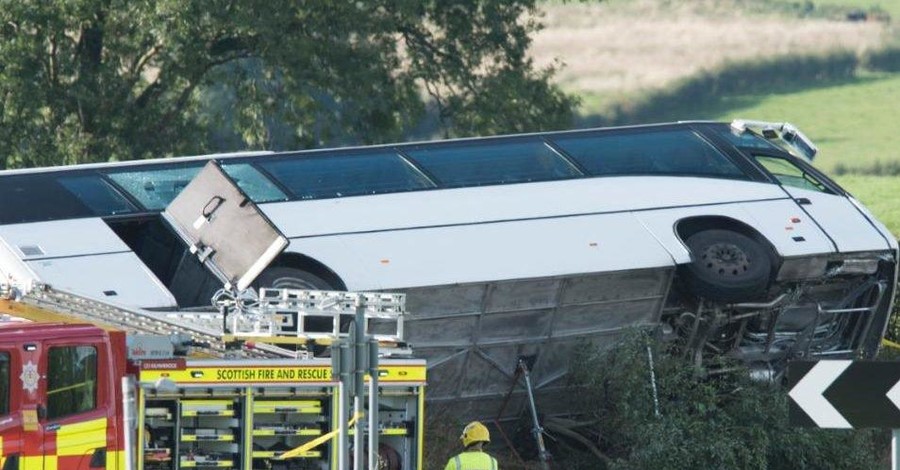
(474, 432)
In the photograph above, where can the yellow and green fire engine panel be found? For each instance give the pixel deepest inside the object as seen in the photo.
(246, 414)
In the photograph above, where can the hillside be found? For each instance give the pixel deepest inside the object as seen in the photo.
(625, 47)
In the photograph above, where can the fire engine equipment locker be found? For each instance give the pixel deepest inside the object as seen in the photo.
(244, 414)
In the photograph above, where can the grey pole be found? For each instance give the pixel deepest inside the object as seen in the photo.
(537, 430)
(344, 360)
(359, 371)
(373, 404)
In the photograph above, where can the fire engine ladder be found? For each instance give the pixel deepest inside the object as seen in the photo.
(274, 318)
(137, 321)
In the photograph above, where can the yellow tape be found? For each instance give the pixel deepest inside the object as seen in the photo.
(317, 441)
(890, 343)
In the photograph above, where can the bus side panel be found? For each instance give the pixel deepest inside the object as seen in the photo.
(882, 229)
(488, 252)
(12, 269)
(508, 202)
(774, 220)
(115, 277)
(86, 256)
(63, 238)
(845, 224)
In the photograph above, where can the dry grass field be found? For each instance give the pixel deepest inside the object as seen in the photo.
(626, 46)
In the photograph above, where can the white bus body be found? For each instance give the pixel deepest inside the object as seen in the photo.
(716, 233)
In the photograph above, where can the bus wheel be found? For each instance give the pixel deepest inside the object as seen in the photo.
(281, 277)
(727, 266)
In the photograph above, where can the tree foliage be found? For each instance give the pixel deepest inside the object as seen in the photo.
(97, 80)
(723, 422)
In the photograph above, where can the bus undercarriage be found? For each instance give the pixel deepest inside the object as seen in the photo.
(839, 315)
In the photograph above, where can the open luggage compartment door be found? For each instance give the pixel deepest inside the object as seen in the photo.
(224, 228)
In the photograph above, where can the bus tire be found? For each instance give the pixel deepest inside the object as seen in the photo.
(283, 277)
(727, 266)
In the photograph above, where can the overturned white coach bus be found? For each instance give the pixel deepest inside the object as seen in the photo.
(509, 247)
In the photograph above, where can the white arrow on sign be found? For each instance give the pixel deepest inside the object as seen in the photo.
(894, 395)
(807, 393)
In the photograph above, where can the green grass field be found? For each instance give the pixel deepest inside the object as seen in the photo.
(853, 123)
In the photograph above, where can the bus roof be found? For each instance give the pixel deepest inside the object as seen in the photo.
(239, 154)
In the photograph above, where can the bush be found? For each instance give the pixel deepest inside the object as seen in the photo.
(724, 421)
(882, 60)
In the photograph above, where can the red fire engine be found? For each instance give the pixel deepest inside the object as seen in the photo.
(77, 396)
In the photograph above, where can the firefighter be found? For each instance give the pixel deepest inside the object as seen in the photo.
(474, 436)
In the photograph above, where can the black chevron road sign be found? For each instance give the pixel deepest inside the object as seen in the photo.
(844, 394)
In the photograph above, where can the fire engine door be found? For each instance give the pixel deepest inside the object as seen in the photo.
(74, 412)
(10, 407)
(224, 228)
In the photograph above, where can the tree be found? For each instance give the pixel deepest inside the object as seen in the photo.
(98, 80)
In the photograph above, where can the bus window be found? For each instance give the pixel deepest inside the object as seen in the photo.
(155, 188)
(35, 198)
(71, 380)
(745, 139)
(256, 186)
(345, 175)
(483, 164)
(4, 383)
(97, 194)
(789, 174)
(677, 152)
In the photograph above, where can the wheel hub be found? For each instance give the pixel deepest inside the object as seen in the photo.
(725, 259)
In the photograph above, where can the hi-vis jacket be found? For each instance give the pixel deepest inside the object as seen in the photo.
(472, 461)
